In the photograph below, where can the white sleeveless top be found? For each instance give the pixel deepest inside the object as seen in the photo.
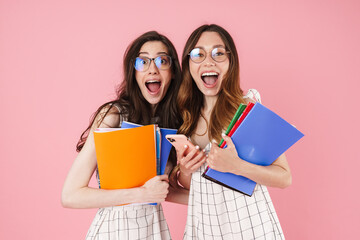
(217, 212)
(129, 221)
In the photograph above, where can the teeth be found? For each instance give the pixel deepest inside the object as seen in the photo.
(209, 74)
(152, 81)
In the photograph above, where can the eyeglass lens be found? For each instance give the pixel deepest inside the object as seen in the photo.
(162, 62)
(198, 55)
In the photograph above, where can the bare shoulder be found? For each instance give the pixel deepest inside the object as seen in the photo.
(108, 117)
(248, 100)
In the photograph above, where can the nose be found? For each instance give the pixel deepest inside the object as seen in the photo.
(209, 61)
(153, 68)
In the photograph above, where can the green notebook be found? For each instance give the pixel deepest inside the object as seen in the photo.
(233, 121)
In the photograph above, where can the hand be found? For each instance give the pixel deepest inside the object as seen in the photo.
(156, 189)
(223, 160)
(192, 161)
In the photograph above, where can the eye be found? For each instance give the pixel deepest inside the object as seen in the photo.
(140, 60)
(218, 52)
(197, 53)
(163, 61)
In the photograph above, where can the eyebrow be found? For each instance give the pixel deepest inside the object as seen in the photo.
(158, 53)
(215, 46)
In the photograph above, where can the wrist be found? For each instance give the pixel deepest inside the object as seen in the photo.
(184, 174)
(140, 194)
(243, 168)
(177, 179)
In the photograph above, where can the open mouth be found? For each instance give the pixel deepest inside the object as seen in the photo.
(153, 86)
(210, 78)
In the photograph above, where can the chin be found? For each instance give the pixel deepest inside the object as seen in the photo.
(153, 100)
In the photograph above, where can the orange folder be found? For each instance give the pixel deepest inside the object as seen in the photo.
(126, 158)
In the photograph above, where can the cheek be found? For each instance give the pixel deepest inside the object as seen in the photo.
(138, 77)
(167, 79)
(193, 70)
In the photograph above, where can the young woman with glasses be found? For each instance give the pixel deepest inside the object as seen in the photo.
(209, 96)
(147, 95)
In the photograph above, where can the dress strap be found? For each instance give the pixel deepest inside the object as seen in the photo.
(254, 95)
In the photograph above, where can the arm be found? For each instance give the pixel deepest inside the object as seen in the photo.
(188, 164)
(226, 160)
(177, 194)
(77, 194)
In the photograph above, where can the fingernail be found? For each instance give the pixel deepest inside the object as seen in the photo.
(185, 146)
(204, 150)
(214, 141)
(197, 147)
(223, 134)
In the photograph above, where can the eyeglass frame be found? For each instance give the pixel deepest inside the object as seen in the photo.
(206, 53)
(153, 59)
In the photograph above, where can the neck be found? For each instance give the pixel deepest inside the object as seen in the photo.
(209, 103)
(153, 109)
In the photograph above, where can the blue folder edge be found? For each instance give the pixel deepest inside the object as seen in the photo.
(165, 145)
(258, 142)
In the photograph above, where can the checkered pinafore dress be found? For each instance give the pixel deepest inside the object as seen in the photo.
(129, 222)
(216, 212)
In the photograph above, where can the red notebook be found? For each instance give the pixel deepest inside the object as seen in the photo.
(239, 121)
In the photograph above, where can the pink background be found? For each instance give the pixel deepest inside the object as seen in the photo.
(59, 60)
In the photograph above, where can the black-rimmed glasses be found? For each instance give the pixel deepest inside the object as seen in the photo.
(162, 62)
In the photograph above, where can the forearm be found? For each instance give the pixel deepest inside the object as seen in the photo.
(184, 180)
(178, 195)
(87, 197)
(273, 175)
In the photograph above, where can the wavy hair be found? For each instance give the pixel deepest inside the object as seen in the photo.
(129, 98)
(190, 98)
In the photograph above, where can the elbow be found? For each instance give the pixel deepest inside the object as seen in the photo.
(287, 181)
(66, 201)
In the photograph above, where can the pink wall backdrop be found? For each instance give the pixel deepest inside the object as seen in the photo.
(59, 60)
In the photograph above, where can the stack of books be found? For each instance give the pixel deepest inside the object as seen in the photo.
(129, 156)
(260, 136)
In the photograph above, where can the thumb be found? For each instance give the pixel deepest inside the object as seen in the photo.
(214, 146)
(228, 141)
(164, 177)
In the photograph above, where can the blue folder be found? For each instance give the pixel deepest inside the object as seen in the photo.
(165, 146)
(260, 139)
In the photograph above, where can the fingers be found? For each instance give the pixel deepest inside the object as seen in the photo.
(195, 161)
(228, 141)
(181, 152)
(198, 164)
(163, 177)
(189, 158)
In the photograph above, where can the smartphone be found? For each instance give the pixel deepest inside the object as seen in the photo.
(179, 141)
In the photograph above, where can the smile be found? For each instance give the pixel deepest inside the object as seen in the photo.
(210, 79)
(153, 86)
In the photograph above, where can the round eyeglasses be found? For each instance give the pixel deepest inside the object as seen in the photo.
(218, 54)
(162, 62)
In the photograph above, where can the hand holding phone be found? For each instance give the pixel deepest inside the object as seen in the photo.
(179, 141)
(189, 159)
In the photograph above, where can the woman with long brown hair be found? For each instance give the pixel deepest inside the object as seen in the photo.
(208, 98)
(147, 95)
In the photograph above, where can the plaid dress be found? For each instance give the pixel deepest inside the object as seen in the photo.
(129, 222)
(134, 221)
(217, 212)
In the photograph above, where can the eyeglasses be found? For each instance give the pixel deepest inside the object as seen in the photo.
(162, 62)
(218, 54)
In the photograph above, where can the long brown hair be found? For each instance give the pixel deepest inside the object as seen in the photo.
(190, 98)
(129, 98)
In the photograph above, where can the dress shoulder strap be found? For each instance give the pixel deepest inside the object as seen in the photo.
(254, 95)
(121, 116)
